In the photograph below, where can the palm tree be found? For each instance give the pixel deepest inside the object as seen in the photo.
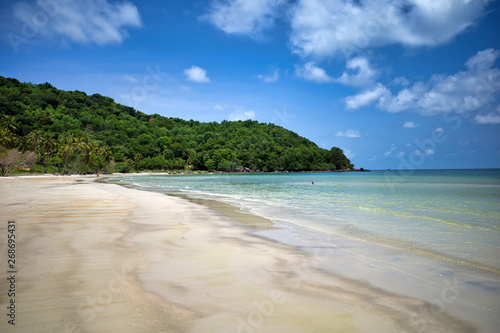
(32, 142)
(9, 123)
(90, 153)
(67, 149)
(137, 159)
(48, 146)
(81, 146)
(7, 138)
(107, 156)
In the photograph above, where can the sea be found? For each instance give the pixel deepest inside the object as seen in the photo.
(429, 234)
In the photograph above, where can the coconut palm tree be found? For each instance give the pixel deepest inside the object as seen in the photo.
(67, 149)
(48, 147)
(9, 123)
(107, 156)
(32, 142)
(7, 138)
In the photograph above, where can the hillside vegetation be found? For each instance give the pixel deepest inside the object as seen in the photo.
(44, 128)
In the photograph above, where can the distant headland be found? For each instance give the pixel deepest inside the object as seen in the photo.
(48, 130)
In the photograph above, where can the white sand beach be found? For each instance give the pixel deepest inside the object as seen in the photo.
(98, 257)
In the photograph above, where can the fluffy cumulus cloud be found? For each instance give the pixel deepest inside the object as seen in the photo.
(196, 74)
(311, 72)
(475, 88)
(328, 27)
(489, 119)
(85, 21)
(358, 73)
(367, 97)
(363, 74)
(323, 28)
(247, 17)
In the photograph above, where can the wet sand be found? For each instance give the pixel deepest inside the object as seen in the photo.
(98, 257)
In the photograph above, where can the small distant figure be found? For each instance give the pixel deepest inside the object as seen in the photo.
(97, 175)
(313, 183)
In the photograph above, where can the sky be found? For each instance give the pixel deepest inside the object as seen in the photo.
(399, 84)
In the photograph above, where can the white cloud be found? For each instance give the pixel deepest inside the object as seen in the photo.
(196, 74)
(470, 90)
(364, 76)
(270, 78)
(89, 21)
(247, 17)
(491, 119)
(311, 72)
(367, 97)
(348, 134)
(358, 73)
(323, 28)
(410, 124)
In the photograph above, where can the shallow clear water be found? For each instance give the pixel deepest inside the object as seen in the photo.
(453, 215)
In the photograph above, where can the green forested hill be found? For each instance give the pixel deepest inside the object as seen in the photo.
(74, 132)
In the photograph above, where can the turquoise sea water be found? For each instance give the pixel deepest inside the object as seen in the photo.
(449, 215)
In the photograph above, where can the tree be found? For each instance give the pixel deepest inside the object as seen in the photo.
(339, 159)
(48, 148)
(67, 149)
(9, 160)
(7, 138)
(29, 159)
(31, 142)
(9, 123)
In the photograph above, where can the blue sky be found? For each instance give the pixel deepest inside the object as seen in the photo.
(395, 83)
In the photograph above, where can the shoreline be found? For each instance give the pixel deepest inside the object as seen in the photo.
(465, 291)
(178, 172)
(448, 289)
(154, 262)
